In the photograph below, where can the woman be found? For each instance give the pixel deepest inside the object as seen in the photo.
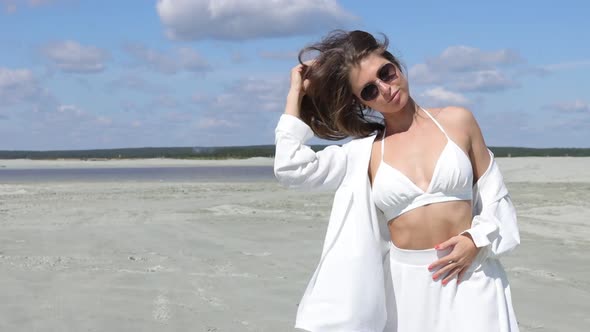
(420, 213)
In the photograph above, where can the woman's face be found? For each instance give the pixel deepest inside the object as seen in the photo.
(379, 84)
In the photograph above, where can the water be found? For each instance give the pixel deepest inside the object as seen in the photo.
(143, 174)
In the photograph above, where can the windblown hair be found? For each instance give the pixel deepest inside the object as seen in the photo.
(329, 106)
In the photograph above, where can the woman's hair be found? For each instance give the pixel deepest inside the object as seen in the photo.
(329, 106)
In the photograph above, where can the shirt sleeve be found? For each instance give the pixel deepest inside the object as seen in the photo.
(296, 165)
(494, 225)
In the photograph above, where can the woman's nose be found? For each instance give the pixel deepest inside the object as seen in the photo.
(384, 88)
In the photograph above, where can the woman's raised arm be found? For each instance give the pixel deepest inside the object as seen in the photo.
(296, 165)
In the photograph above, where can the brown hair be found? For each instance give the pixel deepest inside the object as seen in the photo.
(329, 106)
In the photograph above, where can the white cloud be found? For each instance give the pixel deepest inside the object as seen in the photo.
(544, 70)
(20, 86)
(251, 95)
(577, 106)
(103, 120)
(76, 117)
(248, 19)
(538, 71)
(483, 81)
(191, 60)
(11, 6)
(439, 96)
(181, 59)
(567, 65)
(207, 123)
(9, 78)
(423, 74)
(465, 58)
(135, 82)
(70, 56)
(70, 109)
(464, 68)
(528, 126)
(248, 107)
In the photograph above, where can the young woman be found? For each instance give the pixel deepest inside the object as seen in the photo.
(421, 212)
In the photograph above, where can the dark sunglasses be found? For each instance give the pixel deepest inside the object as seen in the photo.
(386, 74)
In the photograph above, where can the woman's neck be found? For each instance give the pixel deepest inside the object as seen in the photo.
(402, 120)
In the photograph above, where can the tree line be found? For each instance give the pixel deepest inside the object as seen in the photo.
(241, 152)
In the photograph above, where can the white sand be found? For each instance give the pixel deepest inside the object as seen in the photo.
(129, 163)
(545, 169)
(154, 256)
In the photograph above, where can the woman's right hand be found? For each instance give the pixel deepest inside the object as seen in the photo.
(297, 89)
(298, 85)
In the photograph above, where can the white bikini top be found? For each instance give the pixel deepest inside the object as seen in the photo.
(394, 193)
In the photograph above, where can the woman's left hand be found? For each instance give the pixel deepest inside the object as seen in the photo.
(457, 261)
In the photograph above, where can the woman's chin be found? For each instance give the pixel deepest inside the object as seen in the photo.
(396, 105)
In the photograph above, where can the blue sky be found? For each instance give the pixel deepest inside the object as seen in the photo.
(105, 74)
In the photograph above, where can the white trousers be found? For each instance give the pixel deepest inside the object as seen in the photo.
(480, 302)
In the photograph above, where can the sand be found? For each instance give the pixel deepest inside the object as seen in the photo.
(129, 163)
(153, 256)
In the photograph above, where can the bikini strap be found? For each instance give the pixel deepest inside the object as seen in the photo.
(382, 143)
(436, 122)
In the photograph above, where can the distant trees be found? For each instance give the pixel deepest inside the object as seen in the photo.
(241, 152)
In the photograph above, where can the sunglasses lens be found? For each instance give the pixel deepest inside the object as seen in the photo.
(387, 73)
(370, 92)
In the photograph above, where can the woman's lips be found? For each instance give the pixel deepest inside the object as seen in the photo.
(393, 97)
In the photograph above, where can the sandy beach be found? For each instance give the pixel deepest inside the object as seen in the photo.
(129, 163)
(229, 256)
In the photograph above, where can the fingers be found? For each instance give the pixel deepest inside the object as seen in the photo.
(305, 84)
(453, 273)
(450, 242)
(455, 263)
(296, 78)
(443, 261)
(453, 257)
(297, 74)
(449, 271)
(443, 271)
(297, 69)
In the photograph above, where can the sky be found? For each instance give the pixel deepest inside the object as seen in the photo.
(81, 74)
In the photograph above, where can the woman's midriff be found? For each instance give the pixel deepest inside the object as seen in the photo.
(429, 225)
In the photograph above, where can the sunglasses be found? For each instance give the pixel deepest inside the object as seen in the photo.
(386, 74)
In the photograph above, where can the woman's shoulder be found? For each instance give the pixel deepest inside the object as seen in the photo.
(458, 117)
(454, 114)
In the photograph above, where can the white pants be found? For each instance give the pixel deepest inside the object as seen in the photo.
(480, 302)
